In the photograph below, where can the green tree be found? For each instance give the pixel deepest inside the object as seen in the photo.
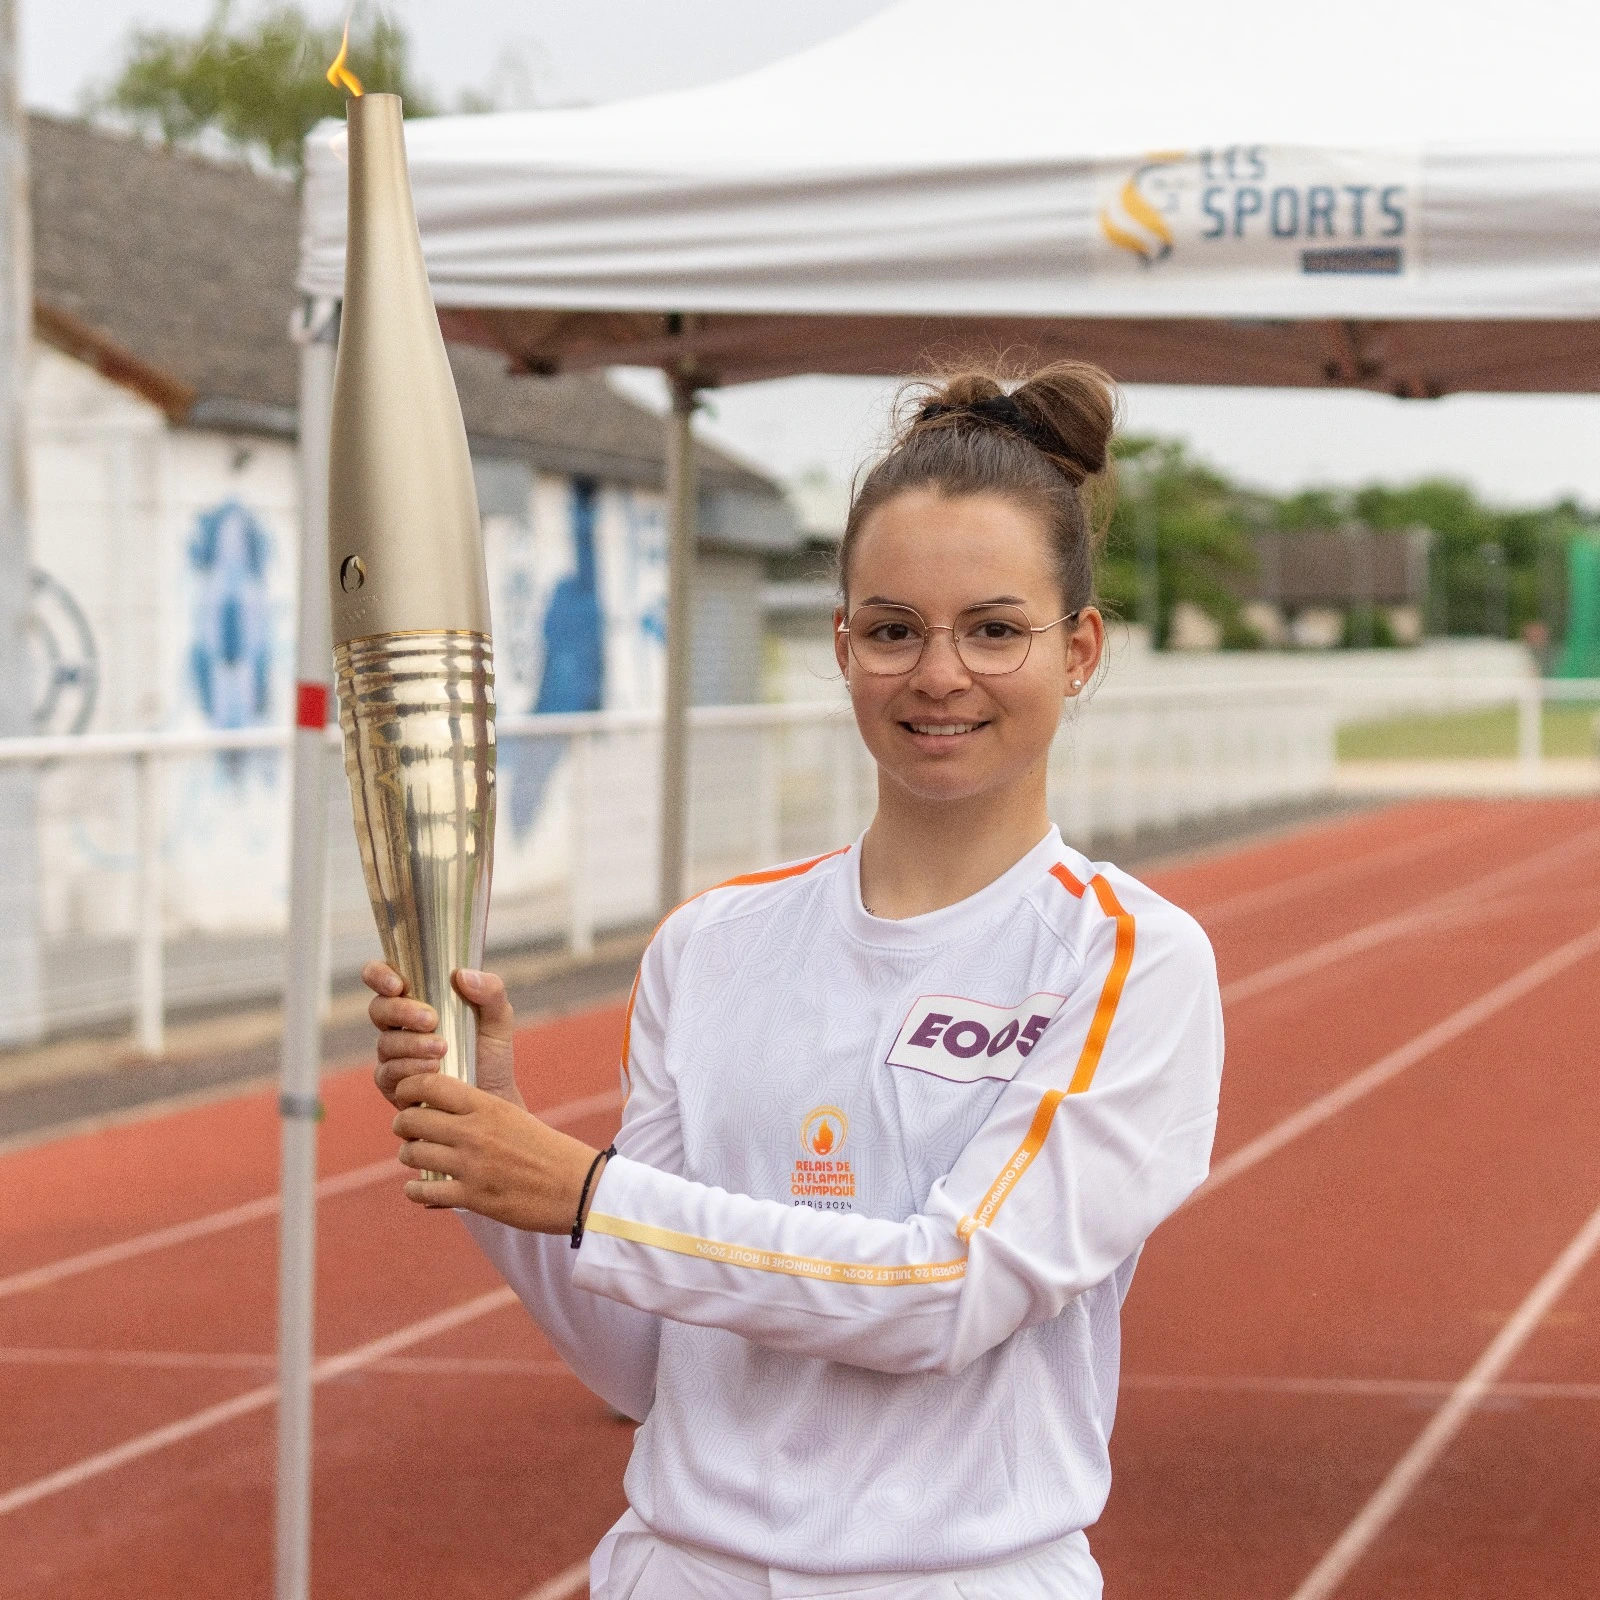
(258, 83)
(1197, 523)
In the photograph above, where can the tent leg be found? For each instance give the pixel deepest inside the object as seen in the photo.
(299, 1102)
(681, 508)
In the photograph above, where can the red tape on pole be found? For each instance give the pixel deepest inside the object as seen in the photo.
(311, 705)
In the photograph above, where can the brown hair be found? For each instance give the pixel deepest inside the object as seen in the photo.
(960, 434)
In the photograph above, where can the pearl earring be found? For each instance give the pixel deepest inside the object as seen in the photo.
(1077, 683)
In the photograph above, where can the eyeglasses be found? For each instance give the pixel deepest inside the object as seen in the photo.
(991, 640)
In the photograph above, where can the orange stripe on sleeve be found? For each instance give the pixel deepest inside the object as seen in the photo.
(1094, 1044)
(1067, 880)
(1106, 1010)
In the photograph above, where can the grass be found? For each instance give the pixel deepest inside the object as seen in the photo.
(1464, 735)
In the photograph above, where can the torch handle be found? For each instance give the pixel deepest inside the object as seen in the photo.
(417, 713)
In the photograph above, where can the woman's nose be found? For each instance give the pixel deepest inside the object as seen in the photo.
(940, 671)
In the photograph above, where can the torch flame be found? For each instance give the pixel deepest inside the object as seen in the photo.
(823, 1142)
(339, 75)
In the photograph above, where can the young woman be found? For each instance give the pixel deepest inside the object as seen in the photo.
(899, 1119)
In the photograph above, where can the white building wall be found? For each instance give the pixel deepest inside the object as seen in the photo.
(171, 557)
(141, 528)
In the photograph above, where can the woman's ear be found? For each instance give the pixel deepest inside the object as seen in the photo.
(841, 643)
(1085, 646)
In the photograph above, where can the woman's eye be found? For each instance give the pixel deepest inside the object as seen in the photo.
(891, 633)
(998, 630)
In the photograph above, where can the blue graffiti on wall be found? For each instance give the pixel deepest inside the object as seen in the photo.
(573, 676)
(574, 642)
(230, 656)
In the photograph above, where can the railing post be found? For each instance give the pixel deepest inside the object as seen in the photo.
(844, 786)
(769, 828)
(580, 873)
(1126, 810)
(1530, 731)
(149, 977)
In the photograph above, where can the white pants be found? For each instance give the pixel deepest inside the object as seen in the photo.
(632, 1563)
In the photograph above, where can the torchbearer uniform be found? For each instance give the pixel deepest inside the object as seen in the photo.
(859, 1264)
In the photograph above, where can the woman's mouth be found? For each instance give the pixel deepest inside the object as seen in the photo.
(942, 730)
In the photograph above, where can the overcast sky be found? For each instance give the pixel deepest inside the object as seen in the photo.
(553, 51)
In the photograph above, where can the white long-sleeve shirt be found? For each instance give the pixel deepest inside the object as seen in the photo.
(881, 1185)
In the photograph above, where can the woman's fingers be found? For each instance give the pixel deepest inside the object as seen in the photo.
(487, 991)
(427, 1157)
(391, 1074)
(496, 1064)
(397, 1046)
(438, 1091)
(416, 1016)
(423, 1122)
(436, 1193)
(382, 979)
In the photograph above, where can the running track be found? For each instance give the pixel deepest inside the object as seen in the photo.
(1362, 1362)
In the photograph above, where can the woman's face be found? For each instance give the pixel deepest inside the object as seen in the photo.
(940, 731)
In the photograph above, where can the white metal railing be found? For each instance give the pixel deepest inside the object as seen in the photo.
(169, 888)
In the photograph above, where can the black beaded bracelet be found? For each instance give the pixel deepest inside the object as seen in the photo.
(583, 1197)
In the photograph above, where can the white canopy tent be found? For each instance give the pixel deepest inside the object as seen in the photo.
(1380, 195)
(1215, 195)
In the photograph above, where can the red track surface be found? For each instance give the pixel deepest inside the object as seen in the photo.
(1288, 1337)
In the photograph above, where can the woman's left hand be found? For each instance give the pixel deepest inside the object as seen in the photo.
(493, 1157)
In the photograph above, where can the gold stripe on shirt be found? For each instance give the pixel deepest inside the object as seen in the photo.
(738, 1255)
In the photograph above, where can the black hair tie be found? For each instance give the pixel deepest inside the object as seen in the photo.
(1005, 411)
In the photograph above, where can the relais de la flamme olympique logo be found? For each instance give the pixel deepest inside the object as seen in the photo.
(1260, 208)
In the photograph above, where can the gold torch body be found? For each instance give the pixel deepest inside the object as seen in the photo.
(413, 661)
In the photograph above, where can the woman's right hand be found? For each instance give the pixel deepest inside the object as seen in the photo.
(408, 1046)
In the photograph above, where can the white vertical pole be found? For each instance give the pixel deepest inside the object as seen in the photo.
(1530, 731)
(149, 974)
(580, 879)
(21, 976)
(299, 1101)
(681, 516)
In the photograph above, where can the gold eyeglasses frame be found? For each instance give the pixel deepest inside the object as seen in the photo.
(929, 628)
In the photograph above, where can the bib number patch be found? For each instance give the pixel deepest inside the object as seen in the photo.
(964, 1040)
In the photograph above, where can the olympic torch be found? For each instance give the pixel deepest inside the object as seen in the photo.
(412, 654)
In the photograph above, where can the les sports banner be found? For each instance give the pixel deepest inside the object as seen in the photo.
(1260, 210)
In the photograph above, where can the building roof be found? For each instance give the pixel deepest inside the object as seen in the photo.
(1341, 567)
(173, 274)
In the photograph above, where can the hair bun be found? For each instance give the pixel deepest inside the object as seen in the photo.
(1068, 410)
(1074, 404)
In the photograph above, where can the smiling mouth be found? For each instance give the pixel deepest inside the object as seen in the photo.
(943, 730)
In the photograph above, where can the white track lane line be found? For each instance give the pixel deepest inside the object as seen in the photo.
(1271, 894)
(242, 1361)
(1413, 920)
(253, 1400)
(1329, 1105)
(255, 1210)
(1401, 1388)
(1325, 1578)
(564, 1584)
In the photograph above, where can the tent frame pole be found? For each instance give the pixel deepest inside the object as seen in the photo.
(299, 1096)
(682, 505)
